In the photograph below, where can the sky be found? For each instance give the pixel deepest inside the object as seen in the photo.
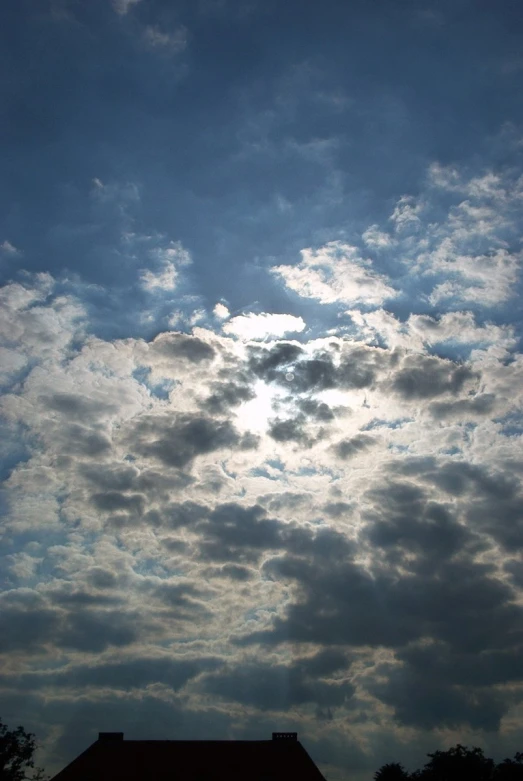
(261, 369)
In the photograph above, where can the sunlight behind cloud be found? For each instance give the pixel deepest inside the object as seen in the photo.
(263, 325)
(255, 414)
(261, 375)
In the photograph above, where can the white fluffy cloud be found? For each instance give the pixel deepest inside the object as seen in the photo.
(336, 273)
(221, 311)
(263, 325)
(420, 332)
(168, 262)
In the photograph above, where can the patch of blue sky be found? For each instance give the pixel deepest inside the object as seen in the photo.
(451, 451)
(392, 424)
(511, 424)
(16, 446)
(160, 389)
(262, 472)
(400, 449)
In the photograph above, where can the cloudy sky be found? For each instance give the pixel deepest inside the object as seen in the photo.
(261, 372)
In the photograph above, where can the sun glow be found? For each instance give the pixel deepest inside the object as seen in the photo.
(255, 413)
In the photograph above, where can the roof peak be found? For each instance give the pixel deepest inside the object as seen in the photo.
(106, 737)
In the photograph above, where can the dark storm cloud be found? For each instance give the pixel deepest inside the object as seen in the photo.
(182, 599)
(356, 367)
(404, 521)
(267, 364)
(29, 621)
(76, 598)
(235, 533)
(447, 667)
(361, 365)
(337, 603)
(174, 545)
(425, 582)
(290, 430)
(26, 629)
(422, 702)
(459, 601)
(348, 448)
(460, 688)
(76, 439)
(176, 440)
(316, 410)
(276, 687)
(96, 630)
(315, 374)
(337, 509)
(285, 500)
(123, 674)
(423, 377)
(114, 478)
(479, 405)
(112, 501)
(75, 405)
(186, 513)
(226, 395)
(178, 345)
(231, 571)
(100, 577)
(324, 663)
(515, 570)
(493, 500)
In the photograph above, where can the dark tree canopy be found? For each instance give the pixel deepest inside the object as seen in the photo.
(17, 748)
(391, 772)
(456, 764)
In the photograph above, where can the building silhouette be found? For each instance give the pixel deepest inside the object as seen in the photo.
(111, 758)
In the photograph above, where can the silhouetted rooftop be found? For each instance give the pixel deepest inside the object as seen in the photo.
(111, 758)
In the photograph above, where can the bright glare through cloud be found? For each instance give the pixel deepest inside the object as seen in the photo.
(255, 414)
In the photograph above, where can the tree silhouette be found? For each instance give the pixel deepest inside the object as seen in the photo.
(510, 769)
(391, 772)
(457, 764)
(17, 748)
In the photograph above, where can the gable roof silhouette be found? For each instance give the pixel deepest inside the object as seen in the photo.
(111, 758)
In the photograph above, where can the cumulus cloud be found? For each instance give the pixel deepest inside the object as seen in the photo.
(168, 262)
(145, 509)
(163, 279)
(221, 311)
(336, 273)
(421, 332)
(406, 214)
(262, 326)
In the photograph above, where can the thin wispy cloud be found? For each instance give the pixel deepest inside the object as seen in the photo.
(9, 249)
(174, 41)
(123, 7)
